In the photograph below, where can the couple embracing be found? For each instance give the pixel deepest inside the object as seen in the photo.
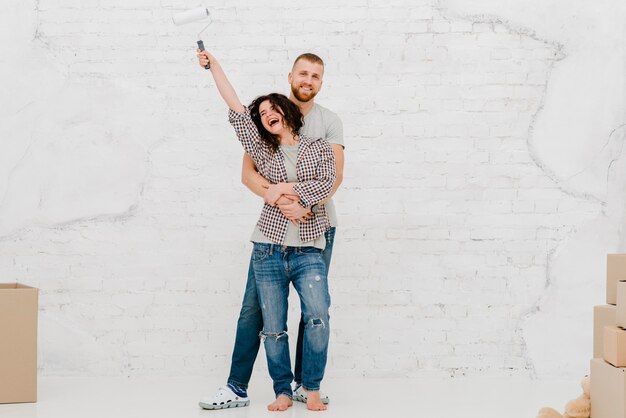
(293, 160)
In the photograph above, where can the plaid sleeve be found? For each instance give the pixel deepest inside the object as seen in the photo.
(318, 189)
(249, 137)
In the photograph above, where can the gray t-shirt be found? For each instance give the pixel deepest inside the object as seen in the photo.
(292, 238)
(322, 123)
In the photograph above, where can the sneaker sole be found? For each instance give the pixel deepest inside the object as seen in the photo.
(235, 404)
(302, 399)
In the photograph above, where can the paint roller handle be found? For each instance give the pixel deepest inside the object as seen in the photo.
(201, 48)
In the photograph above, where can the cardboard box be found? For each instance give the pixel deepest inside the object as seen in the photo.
(608, 390)
(615, 346)
(620, 316)
(603, 315)
(18, 343)
(615, 271)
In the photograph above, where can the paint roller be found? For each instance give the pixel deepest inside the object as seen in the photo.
(194, 15)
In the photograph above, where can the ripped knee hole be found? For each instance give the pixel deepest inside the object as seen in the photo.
(317, 322)
(277, 335)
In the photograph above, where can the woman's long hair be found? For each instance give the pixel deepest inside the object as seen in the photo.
(291, 115)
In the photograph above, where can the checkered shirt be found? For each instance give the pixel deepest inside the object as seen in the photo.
(315, 167)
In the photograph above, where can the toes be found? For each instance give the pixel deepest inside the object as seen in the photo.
(317, 407)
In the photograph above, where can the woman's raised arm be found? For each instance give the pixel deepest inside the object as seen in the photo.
(221, 81)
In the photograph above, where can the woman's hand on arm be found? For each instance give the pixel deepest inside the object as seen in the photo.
(295, 212)
(274, 192)
(258, 184)
(221, 81)
(288, 202)
(286, 199)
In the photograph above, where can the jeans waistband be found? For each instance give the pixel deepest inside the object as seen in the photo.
(284, 248)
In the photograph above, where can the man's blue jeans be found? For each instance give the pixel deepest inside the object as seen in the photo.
(275, 267)
(250, 324)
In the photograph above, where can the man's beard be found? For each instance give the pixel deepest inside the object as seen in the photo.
(303, 98)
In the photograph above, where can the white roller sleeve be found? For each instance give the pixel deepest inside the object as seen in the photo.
(190, 15)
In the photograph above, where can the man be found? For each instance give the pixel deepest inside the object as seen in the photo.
(305, 79)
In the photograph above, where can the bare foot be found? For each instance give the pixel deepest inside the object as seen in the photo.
(313, 402)
(280, 404)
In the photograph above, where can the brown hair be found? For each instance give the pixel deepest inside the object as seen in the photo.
(309, 57)
(291, 115)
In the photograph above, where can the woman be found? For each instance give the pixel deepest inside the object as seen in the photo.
(286, 251)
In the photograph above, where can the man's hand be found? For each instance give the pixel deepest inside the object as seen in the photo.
(273, 193)
(285, 200)
(295, 212)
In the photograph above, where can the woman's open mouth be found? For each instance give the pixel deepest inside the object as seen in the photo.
(272, 121)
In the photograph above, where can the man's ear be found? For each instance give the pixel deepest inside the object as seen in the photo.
(289, 78)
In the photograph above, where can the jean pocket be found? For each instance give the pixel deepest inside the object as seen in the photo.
(260, 252)
(310, 250)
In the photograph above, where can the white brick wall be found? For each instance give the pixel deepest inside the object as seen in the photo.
(120, 195)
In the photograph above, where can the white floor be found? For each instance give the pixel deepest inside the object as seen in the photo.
(361, 398)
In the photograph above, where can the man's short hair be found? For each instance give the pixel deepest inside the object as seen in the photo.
(309, 57)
